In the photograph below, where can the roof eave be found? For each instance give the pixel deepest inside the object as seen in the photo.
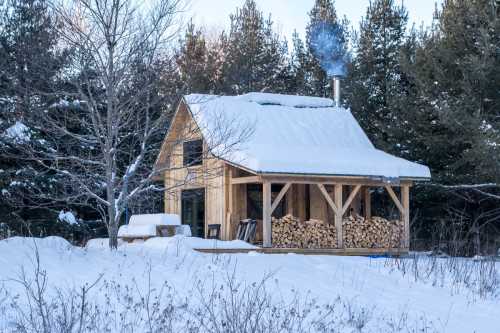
(332, 175)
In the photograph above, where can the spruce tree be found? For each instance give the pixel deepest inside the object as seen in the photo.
(453, 118)
(457, 74)
(30, 59)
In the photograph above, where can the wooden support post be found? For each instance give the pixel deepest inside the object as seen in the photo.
(367, 203)
(328, 199)
(230, 187)
(394, 198)
(290, 200)
(280, 197)
(338, 215)
(266, 212)
(405, 199)
(350, 199)
(355, 206)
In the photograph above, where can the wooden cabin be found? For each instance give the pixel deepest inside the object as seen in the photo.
(265, 156)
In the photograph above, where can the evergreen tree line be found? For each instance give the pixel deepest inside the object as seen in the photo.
(430, 95)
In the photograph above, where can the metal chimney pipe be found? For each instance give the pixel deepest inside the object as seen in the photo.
(336, 90)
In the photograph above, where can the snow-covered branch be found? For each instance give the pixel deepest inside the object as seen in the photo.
(464, 186)
(477, 188)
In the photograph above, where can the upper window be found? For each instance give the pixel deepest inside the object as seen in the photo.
(193, 152)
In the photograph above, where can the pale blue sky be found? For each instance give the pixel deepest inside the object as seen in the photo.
(292, 14)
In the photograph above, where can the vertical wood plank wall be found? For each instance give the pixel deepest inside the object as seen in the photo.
(209, 175)
(319, 206)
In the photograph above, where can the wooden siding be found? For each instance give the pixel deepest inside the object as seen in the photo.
(318, 205)
(208, 175)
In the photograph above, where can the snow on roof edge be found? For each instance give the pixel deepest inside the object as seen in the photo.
(378, 177)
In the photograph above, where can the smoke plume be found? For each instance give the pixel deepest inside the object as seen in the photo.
(329, 47)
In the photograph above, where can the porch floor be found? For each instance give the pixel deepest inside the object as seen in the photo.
(339, 252)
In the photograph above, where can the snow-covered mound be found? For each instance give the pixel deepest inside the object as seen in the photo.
(16, 252)
(164, 243)
(100, 243)
(196, 243)
(137, 231)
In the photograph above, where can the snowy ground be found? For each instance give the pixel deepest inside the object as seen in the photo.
(366, 294)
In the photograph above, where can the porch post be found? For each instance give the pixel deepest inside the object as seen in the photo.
(338, 215)
(367, 203)
(290, 202)
(266, 212)
(229, 202)
(405, 198)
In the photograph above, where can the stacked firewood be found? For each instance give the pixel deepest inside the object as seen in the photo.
(376, 232)
(291, 232)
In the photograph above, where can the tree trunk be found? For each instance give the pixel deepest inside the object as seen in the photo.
(113, 236)
(112, 227)
(477, 242)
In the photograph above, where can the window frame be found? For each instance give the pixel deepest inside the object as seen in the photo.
(191, 161)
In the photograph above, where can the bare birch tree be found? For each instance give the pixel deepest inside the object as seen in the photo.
(116, 47)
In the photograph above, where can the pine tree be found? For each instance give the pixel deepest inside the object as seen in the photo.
(298, 67)
(215, 64)
(375, 83)
(192, 61)
(254, 54)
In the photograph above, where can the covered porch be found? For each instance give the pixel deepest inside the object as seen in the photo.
(329, 199)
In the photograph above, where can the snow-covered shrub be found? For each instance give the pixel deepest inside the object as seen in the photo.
(18, 133)
(236, 307)
(479, 278)
(67, 217)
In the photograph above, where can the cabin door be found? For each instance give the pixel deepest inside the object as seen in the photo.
(193, 211)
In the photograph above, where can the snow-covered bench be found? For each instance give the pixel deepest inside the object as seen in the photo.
(152, 225)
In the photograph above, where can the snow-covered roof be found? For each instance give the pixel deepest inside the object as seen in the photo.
(293, 135)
